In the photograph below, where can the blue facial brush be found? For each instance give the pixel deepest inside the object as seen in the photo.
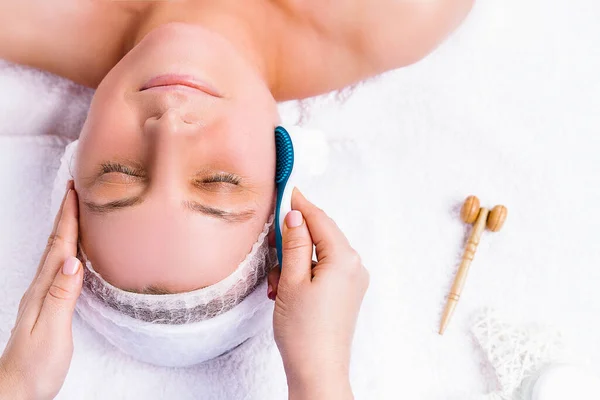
(302, 154)
(285, 166)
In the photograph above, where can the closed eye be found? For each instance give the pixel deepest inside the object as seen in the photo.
(222, 178)
(109, 167)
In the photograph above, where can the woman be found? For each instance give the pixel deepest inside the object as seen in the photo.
(184, 114)
(185, 109)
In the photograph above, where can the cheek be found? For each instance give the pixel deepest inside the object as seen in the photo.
(110, 131)
(110, 117)
(250, 150)
(111, 113)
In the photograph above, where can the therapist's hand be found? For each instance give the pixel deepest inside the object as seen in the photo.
(316, 307)
(37, 357)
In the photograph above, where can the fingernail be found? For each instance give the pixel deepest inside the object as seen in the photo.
(293, 219)
(70, 184)
(71, 266)
(270, 293)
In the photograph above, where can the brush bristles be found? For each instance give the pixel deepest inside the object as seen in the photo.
(285, 154)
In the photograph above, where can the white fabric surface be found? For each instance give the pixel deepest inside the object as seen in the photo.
(508, 109)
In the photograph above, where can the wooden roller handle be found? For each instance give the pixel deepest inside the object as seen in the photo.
(463, 269)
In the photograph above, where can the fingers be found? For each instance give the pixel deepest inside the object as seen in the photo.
(326, 235)
(297, 246)
(70, 186)
(63, 241)
(56, 313)
(273, 281)
(63, 244)
(28, 293)
(271, 238)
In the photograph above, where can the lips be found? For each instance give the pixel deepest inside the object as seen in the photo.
(177, 81)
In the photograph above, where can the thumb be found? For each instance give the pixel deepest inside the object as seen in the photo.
(59, 303)
(297, 246)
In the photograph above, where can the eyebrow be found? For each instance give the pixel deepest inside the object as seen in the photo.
(218, 213)
(227, 216)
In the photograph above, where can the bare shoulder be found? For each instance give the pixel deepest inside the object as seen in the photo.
(78, 39)
(401, 30)
(351, 40)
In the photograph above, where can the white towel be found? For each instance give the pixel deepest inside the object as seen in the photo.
(506, 109)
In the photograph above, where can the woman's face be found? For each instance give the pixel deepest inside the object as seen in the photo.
(176, 183)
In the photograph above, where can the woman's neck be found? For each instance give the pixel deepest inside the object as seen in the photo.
(243, 26)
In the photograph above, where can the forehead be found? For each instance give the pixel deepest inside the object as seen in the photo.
(145, 247)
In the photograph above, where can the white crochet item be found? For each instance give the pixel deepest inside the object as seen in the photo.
(515, 353)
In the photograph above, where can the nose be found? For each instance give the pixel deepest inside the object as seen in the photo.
(170, 123)
(168, 138)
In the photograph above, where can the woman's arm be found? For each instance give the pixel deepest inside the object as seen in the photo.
(315, 46)
(78, 39)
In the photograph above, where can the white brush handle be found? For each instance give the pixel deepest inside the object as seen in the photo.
(311, 154)
(286, 200)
